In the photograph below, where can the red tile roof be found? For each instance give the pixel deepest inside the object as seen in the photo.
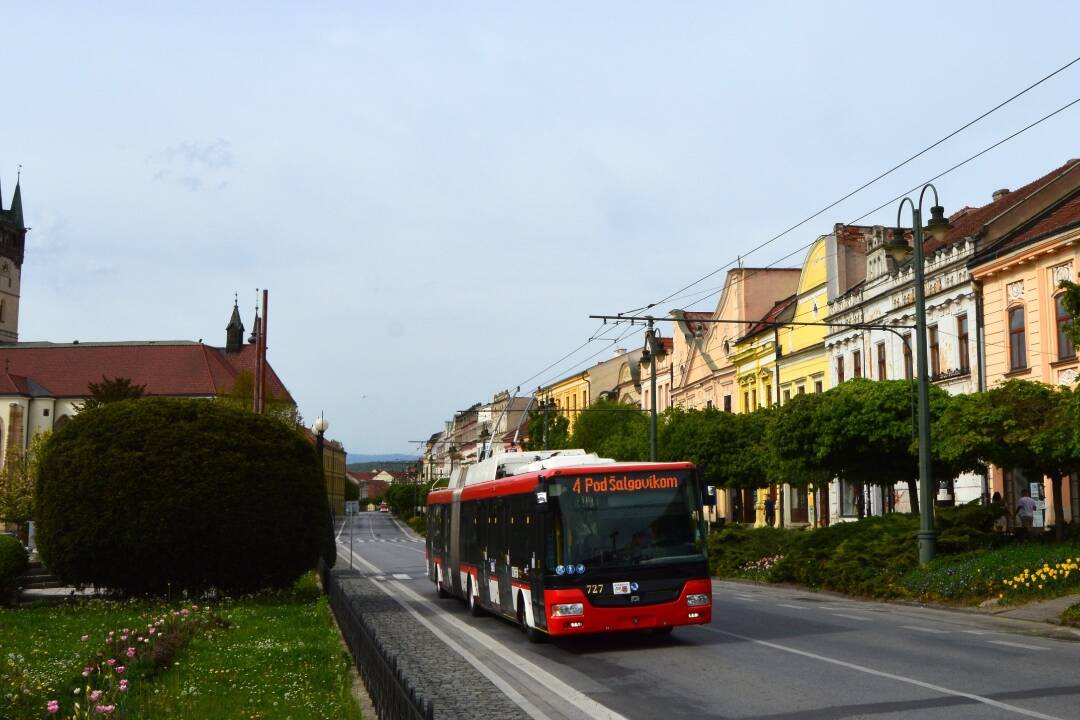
(780, 312)
(171, 368)
(1063, 217)
(969, 221)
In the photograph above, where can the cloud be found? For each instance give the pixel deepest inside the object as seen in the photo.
(194, 166)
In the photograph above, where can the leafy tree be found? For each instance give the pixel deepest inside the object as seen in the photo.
(548, 422)
(612, 429)
(866, 434)
(727, 448)
(17, 479)
(242, 395)
(1072, 304)
(792, 438)
(112, 390)
(1019, 425)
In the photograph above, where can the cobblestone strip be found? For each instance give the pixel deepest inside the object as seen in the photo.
(442, 676)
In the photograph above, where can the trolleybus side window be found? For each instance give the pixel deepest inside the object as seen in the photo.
(520, 530)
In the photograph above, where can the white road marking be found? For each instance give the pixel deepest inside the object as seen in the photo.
(380, 577)
(401, 576)
(850, 617)
(549, 682)
(1024, 646)
(935, 631)
(793, 607)
(979, 632)
(889, 676)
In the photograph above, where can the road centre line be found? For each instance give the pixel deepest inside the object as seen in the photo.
(1025, 646)
(935, 631)
(880, 673)
(560, 689)
(793, 607)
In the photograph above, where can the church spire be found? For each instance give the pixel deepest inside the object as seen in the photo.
(234, 331)
(16, 207)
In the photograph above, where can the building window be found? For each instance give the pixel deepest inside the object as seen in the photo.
(727, 403)
(850, 498)
(1066, 350)
(881, 367)
(768, 396)
(787, 395)
(935, 355)
(817, 386)
(1017, 341)
(746, 402)
(753, 399)
(708, 404)
(856, 364)
(962, 339)
(45, 412)
(839, 370)
(801, 390)
(584, 398)
(907, 356)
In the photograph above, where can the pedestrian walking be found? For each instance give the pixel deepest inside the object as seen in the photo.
(1025, 508)
(770, 511)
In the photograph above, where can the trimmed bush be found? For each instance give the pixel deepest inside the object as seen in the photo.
(159, 495)
(13, 563)
(1071, 616)
(740, 552)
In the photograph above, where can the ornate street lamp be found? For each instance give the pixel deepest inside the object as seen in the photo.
(938, 227)
(653, 349)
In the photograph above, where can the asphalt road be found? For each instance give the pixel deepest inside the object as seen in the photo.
(770, 652)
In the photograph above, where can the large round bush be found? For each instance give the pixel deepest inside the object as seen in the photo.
(159, 495)
(13, 563)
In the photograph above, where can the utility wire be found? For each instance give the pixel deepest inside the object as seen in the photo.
(862, 187)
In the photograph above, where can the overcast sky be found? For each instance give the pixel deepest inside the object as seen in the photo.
(437, 195)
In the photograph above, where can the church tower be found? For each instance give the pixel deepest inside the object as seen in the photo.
(12, 246)
(234, 332)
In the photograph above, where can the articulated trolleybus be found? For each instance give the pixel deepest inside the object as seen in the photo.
(566, 543)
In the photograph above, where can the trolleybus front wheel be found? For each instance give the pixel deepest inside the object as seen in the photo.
(534, 635)
(474, 602)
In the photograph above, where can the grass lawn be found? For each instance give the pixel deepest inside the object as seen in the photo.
(276, 655)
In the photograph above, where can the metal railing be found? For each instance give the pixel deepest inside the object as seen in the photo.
(392, 693)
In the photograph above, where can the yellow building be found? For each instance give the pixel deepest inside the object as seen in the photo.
(702, 362)
(803, 363)
(571, 395)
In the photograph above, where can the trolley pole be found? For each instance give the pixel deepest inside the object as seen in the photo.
(650, 342)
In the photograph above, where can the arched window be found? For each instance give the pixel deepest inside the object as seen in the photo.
(60, 422)
(1065, 348)
(3, 311)
(1017, 339)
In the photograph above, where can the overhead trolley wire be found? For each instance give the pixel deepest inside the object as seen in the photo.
(865, 185)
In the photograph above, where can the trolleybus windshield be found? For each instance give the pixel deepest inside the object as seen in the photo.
(624, 518)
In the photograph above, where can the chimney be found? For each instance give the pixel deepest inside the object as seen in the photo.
(998, 194)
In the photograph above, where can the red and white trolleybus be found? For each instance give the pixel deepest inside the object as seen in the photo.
(567, 543)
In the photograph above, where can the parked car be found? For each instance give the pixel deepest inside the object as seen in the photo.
(383, 507)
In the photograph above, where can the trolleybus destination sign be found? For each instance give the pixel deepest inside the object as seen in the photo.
(616, 483)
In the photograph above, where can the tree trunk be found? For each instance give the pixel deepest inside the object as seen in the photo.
(1059, 507)
(913, 494)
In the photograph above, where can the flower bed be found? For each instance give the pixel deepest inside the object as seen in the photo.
(269, 655)
(1013, 574)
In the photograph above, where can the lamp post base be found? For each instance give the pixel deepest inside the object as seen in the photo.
(927, 546)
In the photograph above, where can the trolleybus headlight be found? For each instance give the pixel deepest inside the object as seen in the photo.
(697, 599)
(567, 609)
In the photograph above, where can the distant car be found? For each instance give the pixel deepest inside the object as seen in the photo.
(383, 507)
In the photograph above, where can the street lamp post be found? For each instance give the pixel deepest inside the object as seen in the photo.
(898, 248)
(320, 426)
(653, 348)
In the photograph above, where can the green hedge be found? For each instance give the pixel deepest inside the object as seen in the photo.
(158, 495)
(13, 563)
(869, 557)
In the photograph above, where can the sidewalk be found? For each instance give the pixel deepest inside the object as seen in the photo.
(1047, 611)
